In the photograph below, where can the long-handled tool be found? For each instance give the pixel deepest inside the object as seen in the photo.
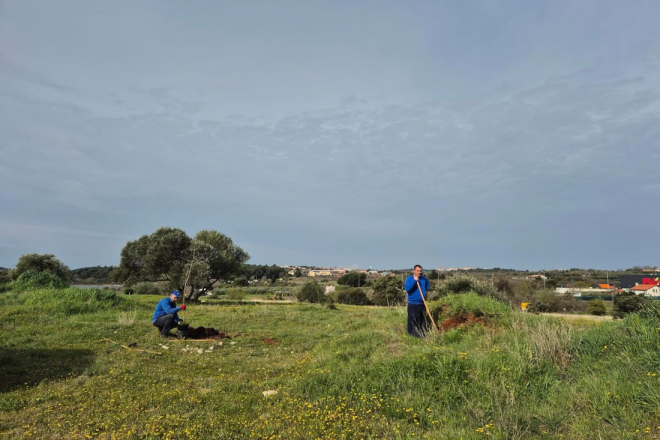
(426, 306)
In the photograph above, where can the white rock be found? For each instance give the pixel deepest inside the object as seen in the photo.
(200, 350)
(269, 393)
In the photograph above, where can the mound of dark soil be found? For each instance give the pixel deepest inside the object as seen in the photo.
(202, 332)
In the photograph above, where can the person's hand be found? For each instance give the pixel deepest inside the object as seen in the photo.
(416, 277)
(183, 307)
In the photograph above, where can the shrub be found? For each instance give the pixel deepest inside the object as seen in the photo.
(467, 303)
(388, 291)
(466, 283)
(146, 288)
(236, 294)
(241, 281)
(32, 279)
(548, 301)
(627, 302)
(353, 296)
(353, 279)
(311, 292)
(41, 263)
(597, 307)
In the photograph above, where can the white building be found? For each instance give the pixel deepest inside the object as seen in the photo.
(646, 290)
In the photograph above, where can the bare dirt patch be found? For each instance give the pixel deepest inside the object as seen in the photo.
(459, 321)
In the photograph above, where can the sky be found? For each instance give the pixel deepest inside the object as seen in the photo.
(510, 134)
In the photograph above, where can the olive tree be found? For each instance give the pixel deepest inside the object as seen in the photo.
(170, 255)
(38, 263)
(388, 291)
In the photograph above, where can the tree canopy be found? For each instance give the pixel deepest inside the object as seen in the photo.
(40, 263)
(353, 279)
(170, 255)
(388, 291)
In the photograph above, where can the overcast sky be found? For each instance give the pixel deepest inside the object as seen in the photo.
(350, 133)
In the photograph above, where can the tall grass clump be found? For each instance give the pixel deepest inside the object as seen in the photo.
(63, 302)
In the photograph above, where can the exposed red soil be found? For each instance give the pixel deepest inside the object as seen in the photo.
(461, 320)
(269, 341)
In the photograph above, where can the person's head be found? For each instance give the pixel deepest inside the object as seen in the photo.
(417, 270)
(175, 295)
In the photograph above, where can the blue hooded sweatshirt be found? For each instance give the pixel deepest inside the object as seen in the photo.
(166, 307)
(410, 286)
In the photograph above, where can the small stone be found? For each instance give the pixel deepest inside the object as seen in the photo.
(220, 343)
(269, 393)
(200, 350)
(232, 343)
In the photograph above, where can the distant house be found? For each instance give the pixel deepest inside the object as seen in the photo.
(646, 290)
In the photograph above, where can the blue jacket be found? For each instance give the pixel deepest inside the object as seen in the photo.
(166, 307)
(410, 286)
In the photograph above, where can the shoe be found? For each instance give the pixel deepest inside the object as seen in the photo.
(166, 335)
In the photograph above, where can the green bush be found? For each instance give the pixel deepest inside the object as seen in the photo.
(388, 291)
(466, 283)
(597, 307)
(146, 288)
(311, 292)
(236, 294)
(467, 303)
(548, 301)
(627, 302)
(353, 279)
(353, 296)
(41, 263)
(241, 281)
(32, 279)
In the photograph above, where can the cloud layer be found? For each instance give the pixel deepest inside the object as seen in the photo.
(313, 139)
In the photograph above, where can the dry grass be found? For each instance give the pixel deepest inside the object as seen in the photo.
(127, 318)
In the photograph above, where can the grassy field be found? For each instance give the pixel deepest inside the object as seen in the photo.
(344, 373)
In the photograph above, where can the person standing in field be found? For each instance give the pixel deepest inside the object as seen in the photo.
(417, 320)
(166, 313)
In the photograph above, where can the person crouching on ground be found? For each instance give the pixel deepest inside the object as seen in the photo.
(165, 316)
(417, 321)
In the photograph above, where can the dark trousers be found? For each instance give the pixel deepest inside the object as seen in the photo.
(417, 320)
(165, 323)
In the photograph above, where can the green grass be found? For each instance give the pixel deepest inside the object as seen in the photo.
(345, 373)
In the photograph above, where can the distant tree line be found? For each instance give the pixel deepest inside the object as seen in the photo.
(93, 274)
(257, 272)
